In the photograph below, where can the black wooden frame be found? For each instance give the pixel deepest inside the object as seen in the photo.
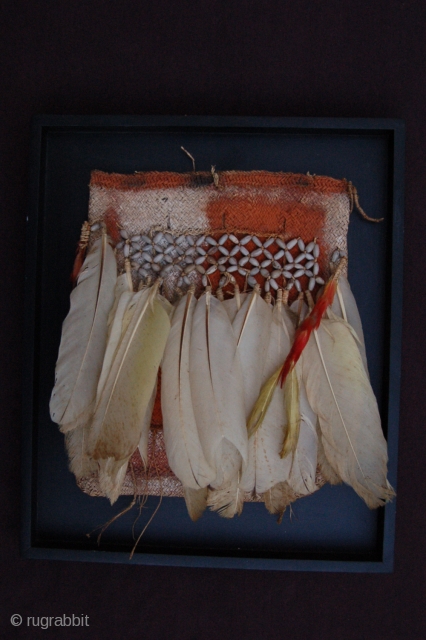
(339, 130)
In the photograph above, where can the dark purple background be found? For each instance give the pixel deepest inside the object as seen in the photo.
(305, 58)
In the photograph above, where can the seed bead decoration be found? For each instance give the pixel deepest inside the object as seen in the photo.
(268, 242)
(274, 284)
(160, 253)
(335, 255)
(211, 270)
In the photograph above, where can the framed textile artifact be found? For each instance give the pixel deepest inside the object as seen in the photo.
(263, 220)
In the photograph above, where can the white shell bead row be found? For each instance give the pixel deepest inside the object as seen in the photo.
(160, 253)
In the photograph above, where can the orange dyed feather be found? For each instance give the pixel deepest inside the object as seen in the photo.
(310, 323)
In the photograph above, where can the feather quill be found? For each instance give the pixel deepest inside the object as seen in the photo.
(83, 339)
(340, 394)
(233, 305)
(183, 446)
(217, 389)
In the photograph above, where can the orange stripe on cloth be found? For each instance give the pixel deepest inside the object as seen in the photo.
(285, 217)
(262, 179)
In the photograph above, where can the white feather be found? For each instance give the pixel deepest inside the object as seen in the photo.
(80, 463)
(265, 467)
(111, 477)
(252, 326)
(304, 460)
(122, 405)
(146, 426)
(233, 305)
(228, 500)
(340, 394)
(196, 502)
(217, 389)
(344, 306)
(123, 297)
(183, 446)
(83, 340)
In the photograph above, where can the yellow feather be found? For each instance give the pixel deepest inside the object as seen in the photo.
(122, 405)
(260, 408)
(291, 396)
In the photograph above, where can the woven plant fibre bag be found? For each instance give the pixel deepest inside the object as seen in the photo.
(259, 203)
